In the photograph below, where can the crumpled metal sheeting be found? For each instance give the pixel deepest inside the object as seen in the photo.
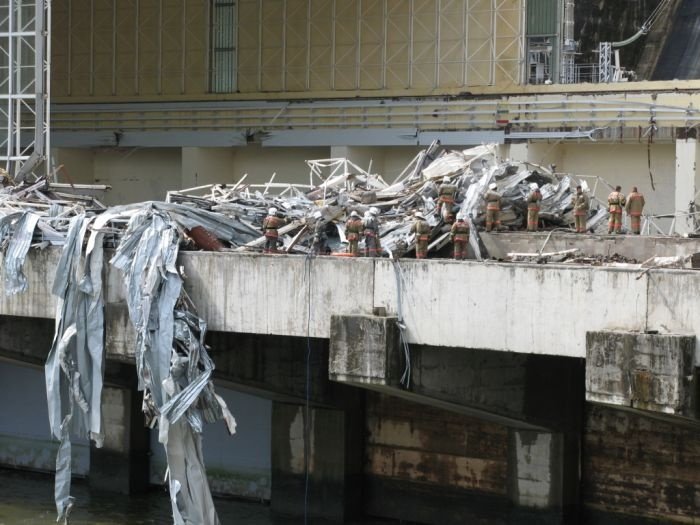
(16, 252)
(172, 363)
(75, 365)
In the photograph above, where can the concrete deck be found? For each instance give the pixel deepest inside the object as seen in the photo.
(496, 306)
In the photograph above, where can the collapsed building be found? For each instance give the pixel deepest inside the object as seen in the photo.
(552, 380)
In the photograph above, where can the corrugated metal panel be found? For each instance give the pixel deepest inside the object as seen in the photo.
(542, 17)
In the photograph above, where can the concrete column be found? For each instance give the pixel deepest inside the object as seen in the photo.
(542, 153)
(536, 470)
(687, 182)
(121, 465)
(330, 443)
(367, 158)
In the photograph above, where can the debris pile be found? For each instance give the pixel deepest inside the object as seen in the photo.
(318, 212)
(173, 366)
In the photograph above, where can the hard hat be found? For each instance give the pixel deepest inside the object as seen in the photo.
(374, 211)
(493, 186)
(534, 186)
(445, 179)
(272, 211)
(460, 216)
(354, 214)
(419, 215)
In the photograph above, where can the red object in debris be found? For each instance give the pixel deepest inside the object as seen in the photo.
(204, 239)
(501, 122)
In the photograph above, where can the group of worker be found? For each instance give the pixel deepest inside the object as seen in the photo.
(367, 227)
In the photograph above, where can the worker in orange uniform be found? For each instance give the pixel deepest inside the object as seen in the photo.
(533, 207)
(460, 237)
(581, 205)
(370, 225)
(271, 224)
(446, 200)
(634, 207)
(616, 201)
(353, 230)
(421, 229)
(493, 208)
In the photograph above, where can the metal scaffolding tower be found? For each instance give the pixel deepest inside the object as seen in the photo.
(25, 27)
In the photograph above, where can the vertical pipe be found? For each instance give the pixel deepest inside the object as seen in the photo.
(18, 86)
(207, 25)
(410, 43)
(438, 9)
(307, 75)
(260, 44)
(358, 43)
(183, 46)
(70, 48)
(136, 47)
(159, 64)
(465, 57)
(92, 47)
(333, 23)
(47, 89)
(494, 44)
(114, 48)
(385, 36)
(10, 85)
(283, 69)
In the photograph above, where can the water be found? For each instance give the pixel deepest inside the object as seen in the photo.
(27, 499)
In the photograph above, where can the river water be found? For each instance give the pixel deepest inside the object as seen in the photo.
(27, 499)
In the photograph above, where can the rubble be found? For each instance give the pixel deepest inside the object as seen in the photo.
(344, 187)
(173, 366)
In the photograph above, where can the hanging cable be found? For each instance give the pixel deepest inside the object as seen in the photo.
(307, 394)
(406, 377)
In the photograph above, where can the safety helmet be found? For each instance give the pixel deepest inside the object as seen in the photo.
(445, 179)
(493, 186)
(354, 214)
(374, 211)
(534, 186)
(460, 216)
(272, 211)
(419, 215)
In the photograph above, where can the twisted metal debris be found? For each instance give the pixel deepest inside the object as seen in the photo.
(173, 367)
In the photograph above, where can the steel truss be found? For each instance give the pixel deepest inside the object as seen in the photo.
(25, 48)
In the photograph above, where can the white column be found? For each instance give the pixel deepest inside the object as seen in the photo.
(687, 183)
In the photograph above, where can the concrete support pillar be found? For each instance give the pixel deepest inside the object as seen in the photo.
(542, 153)
(121, 465)
(330, 443)
(537, 464)
(367, 158)
(687, 183)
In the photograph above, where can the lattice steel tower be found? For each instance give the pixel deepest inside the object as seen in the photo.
(25, 49)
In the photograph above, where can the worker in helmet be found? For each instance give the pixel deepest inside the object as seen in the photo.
(318, 241)
(446, 200)
(460, 237)
(616, 201)
(634, 207)
(493, 208)
(533, 207)
(370, 225)
(421, 229)
(353, 230)
(270, 226)
(581, 205)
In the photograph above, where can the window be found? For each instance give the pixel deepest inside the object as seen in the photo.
(223, 46)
